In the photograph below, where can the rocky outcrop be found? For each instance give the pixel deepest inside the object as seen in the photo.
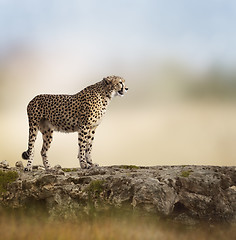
(189, 194)
(4, 164)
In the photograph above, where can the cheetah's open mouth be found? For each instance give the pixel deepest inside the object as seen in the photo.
(121, 92)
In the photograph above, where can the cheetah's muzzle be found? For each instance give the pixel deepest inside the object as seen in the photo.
(121, 92)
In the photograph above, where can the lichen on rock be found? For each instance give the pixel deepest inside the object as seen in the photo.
(188, 194)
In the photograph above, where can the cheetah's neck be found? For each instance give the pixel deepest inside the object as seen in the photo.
(106, 91)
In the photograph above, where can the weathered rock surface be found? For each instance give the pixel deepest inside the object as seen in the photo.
(189, 194)
(4, 164)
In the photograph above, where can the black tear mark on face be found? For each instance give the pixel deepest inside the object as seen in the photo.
(121, 91)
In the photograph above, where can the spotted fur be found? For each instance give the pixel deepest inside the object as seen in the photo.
(81, 112)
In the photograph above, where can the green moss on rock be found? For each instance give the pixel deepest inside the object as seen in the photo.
(95, 188)
(5, 178)
(69, 169)
(129, 167)
(185, 173)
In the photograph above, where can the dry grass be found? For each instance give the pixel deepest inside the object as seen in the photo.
(103, 228)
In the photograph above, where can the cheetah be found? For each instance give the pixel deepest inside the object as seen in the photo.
(81, 112)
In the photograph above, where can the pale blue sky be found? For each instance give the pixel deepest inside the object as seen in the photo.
(198, 31)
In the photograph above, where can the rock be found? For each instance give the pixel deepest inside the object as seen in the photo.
(38, 167)
(19, 165)
(57, 167)
(154, 196)
(4, 164)
(187, 194)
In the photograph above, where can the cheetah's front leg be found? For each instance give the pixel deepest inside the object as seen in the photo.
(85, 146)
(90, 138)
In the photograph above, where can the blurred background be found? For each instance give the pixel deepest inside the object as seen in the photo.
(178, 59)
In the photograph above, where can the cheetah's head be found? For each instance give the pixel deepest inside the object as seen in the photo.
(117, 84)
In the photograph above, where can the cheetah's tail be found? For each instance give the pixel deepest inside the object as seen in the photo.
(25, 155)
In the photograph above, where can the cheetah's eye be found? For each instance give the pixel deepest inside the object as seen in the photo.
(120, 83)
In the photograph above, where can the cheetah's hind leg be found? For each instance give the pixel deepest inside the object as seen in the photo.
(47, 132)
(29, 154)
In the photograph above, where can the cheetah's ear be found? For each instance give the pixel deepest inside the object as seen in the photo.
(107, 80)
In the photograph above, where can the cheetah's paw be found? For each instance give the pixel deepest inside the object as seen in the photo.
(28, 169)
(84, 165)
(92, 165)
